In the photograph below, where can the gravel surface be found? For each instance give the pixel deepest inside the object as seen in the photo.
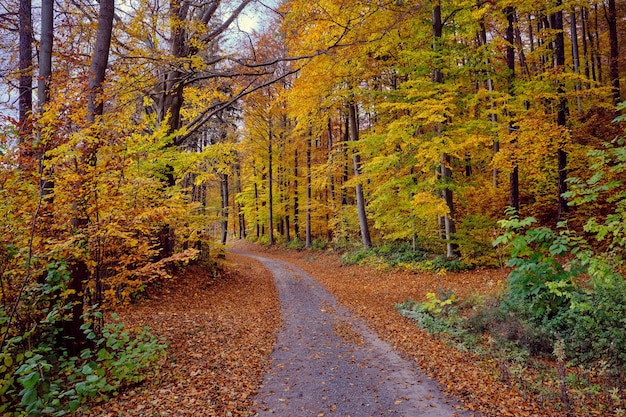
(327, 362)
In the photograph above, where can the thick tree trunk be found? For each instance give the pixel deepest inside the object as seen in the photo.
(360, 199)
(100, 59)
(79, 272)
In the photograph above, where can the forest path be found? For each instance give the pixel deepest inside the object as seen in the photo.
(326, 361)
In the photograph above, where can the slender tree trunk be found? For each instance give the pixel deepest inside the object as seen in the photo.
(452, 249)
(256, 209)
(43, 82)
(510, 63)
(584, 29)
(597, 44)
(25, 67)
(588, 47)
(346, 170)
(360, 199)
(559, 50)
(45, 52)
(611, 18)
(270, 185)
(296, 208)
(575, 55)
(241, 224)
(493, 117)
(225, 205)
(308, 243)
(331, 181)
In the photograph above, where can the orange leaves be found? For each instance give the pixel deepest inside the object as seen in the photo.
(220, 333)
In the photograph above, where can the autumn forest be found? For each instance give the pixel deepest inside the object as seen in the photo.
(140, 136)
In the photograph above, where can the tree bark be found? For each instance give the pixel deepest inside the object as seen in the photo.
(296, 202)
(225, 205)
(308, 240)
(575, 54)
(100, 59)
(45, 52)
(449, 226)
(79, 272)
(25, 67)
(559, 51)
(510, 63)
(611, 18)
(270, 184)
(360, 199)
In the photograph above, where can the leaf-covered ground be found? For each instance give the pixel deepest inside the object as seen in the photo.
(372, 294)
(221, 331)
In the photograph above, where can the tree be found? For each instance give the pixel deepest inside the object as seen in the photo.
(25, 66)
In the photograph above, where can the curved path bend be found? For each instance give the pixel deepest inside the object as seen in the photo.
(328, 363)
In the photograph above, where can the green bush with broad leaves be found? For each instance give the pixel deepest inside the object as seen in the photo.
(38, 374)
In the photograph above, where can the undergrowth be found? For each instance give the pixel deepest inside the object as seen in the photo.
(557, 331)
(402, 255)
(42, 372)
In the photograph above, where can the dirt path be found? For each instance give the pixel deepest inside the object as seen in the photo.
(328, 362)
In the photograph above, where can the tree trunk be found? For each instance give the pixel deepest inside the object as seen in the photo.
(575, 55)
(257, 226)
(43, 82)
(611, 18)
(296, 202)
(100, 59)
(493, 117)
(510, 63)
(331, 181)
(559, 51)
(597, 44)
(452, 249)
(225, 205)
(79, 272)
(25, 67)
(270, 185)
(45, 52)
(360, 199)
(308, 241)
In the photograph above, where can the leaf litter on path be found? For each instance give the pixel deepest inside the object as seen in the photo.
(371, 294)
(220, 330)
(328, 361)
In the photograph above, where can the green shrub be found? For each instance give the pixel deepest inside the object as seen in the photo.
(39, 375)
(356, 257)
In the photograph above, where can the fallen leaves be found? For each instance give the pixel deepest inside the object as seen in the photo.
(220, 331)
(372, 294)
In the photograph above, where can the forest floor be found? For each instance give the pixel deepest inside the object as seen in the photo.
(222, 330)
